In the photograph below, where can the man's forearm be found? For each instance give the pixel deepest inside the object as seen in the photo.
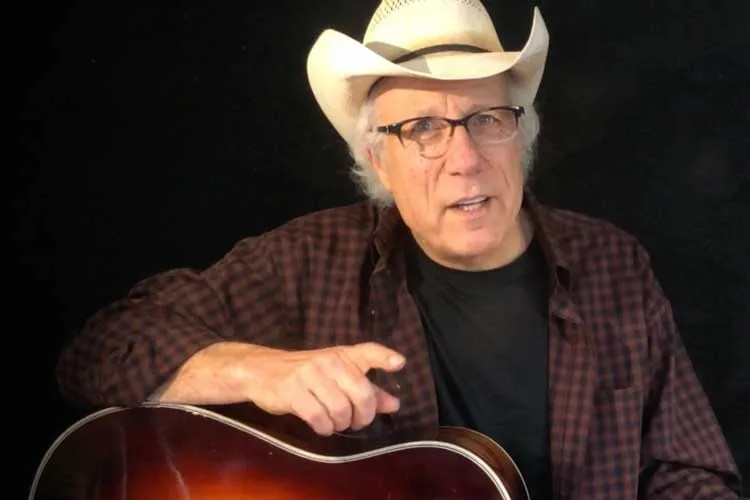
(217, 374)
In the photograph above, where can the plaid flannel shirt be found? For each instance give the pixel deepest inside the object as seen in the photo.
(628, 416)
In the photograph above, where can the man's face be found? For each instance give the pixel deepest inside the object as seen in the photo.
(431, 193)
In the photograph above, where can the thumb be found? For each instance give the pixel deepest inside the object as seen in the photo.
(373, 355)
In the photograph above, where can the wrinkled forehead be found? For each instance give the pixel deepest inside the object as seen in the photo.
(420, 95)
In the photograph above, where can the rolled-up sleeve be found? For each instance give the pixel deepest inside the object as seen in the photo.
(126, 350)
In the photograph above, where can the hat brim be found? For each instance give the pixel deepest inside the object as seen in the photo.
(341, 71)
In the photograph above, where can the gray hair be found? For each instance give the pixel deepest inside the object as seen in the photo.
(364, 176)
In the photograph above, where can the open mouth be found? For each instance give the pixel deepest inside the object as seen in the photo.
(470, 204)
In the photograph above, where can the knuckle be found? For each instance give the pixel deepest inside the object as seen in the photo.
(367, 419)
(341, 412)
(366, 410)
(363, 420)
(318, 420)
(363, 393)
(314, 415)
(326, 360)
(305, 371)
(348, 352)
(364, 400)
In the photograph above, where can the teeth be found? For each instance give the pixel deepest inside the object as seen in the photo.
(471, 202)
(468, 208)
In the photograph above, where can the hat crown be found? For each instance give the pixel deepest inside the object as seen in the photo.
(411, 25)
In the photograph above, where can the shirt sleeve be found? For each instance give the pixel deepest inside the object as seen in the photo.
(129, 348)
(684, 452)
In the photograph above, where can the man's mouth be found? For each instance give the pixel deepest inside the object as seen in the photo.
(469, 204)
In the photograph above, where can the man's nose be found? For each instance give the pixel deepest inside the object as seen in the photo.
(463, 157)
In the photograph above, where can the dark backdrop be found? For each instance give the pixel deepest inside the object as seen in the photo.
(155, 137)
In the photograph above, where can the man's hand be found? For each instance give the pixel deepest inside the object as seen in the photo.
(327, 388)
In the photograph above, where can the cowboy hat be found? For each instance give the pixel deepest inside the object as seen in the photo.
(438, 39)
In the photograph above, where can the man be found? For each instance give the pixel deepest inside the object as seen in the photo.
(450, 297)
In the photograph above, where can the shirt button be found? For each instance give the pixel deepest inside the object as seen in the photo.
(372, 312)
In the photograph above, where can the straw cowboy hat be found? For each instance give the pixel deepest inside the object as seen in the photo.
(439, 39)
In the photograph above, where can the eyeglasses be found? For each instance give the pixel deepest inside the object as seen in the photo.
(432, 134)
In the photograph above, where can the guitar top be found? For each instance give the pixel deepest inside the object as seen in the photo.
(173, 451)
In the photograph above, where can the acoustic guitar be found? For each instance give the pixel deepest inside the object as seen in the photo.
(171, 451)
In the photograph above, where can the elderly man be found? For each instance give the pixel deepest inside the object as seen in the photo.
(450, 296)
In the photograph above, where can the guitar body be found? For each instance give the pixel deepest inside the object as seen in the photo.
(169, 451)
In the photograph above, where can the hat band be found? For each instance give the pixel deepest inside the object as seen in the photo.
(448, 47)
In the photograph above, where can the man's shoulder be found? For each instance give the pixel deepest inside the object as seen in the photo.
(354, 222)
(568, 225)
(329, 232)
(585, 241)
(360, 217)
(602, 258)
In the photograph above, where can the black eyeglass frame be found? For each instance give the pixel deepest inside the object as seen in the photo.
(395, 128)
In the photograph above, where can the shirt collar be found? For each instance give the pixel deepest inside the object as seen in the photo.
(388, 232)
(549, 236)
(553, 240)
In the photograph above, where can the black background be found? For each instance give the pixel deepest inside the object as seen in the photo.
(151, 137)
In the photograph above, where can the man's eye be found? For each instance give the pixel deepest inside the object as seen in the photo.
(423, 129)
(423, 126)
(484, 120)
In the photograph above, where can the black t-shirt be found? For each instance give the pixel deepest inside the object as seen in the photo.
(487, 337)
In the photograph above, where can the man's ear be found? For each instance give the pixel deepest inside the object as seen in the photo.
(377, 164)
